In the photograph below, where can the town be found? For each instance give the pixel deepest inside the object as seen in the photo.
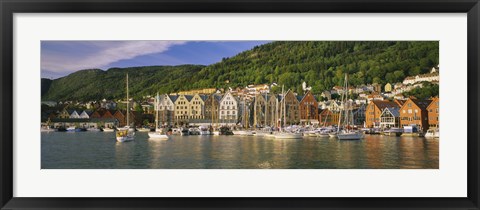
(373, 107)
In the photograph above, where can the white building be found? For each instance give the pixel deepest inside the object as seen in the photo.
(228, 108)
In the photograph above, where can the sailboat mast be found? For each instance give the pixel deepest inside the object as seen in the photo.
(266, 108)
(284, 109)
(255, 113)
(156, 112)
(128, 102)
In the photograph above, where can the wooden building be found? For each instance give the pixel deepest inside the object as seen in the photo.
(414, 112)
(374, 111)
(308, 109)
(434, 113)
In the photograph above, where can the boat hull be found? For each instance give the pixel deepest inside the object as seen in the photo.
(154, 135)
(288, 136)
(125, 138)
(350, 136)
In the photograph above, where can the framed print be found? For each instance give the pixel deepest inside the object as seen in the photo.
(252, 105)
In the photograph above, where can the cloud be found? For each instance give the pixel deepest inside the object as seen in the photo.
(69, 56)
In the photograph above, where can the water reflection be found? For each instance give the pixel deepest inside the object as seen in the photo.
(100, 150)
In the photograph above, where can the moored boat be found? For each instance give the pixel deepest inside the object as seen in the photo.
(433, 133)
(393, 132)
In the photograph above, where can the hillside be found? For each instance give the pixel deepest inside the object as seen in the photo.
(97, 84)
(320, 64)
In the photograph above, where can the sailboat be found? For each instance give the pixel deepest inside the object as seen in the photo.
(126, 133)
(158, 133)
(347, 133)
(215, 129)
(283, 134)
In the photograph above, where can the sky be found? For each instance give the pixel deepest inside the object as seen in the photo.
(60, 58)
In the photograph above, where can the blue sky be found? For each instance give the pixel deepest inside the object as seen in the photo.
(60, 58)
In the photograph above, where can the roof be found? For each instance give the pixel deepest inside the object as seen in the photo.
(384, 104)
(299, 97)
(173, 98)
(394, 110)
(423, 104)
(203, 97)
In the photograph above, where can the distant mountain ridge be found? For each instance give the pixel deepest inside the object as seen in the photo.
(289, 63)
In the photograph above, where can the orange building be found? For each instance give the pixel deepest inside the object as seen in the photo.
(414, 112)
(433, 113)
(374, 110)
(308, 109)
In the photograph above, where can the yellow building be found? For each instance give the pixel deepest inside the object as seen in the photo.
(388, 87)
(205, 91)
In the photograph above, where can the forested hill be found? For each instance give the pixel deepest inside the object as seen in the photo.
(321, 64)
(96, 84)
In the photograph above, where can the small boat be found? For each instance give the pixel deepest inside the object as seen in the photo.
(393, 132)
(433, 133)
(412, 131)
(350, 135)
(108, 129)
(71, 129)
(143, 129)
(203, 130)
(93, 129)
(184, 132)
(47, 129)
(125, 134)
(158, 134)
(216, 133)
(285, 135)
(332, 134)
(323, 135)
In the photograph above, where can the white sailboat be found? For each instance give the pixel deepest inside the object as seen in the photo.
(126, 133)
(158, 133)
(347, 133)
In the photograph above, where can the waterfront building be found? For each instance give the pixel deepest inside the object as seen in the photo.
(212, 107)
(64, 114)
(107, 115)
(390, 117)
(359, 115)
(121, 117)
(182, 108)
(374, 111)
(85, 114)
(74, 115)
(166, 109)
(414, 112)
(229, 108)
(260, 102)
(292, 108)
(308, 109)
(197, 106)
(273, 109)
(434, 112)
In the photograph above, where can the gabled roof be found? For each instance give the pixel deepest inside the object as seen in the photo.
(173, 98)
(423, 104)
(384, 104)
(203, 97)
(395, 111)
(299, 98)
(188, 97)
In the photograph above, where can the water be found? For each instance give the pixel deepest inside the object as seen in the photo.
(90, 150)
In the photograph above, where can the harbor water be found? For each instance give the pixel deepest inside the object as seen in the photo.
(100, 150)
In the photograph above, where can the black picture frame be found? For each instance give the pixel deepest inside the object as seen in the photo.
(10, 7)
